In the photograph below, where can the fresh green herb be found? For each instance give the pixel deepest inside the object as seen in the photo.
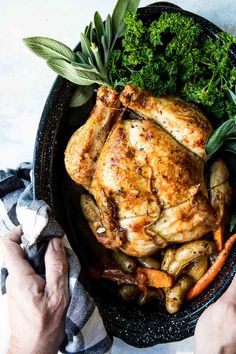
(221, 135)
(171, 56)
(225, 135)
(81, 95)
(167, 56)
(89, 65)
(119, 13)
(232, 220)
(218, 75)
(47, 48)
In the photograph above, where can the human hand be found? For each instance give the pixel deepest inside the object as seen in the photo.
(216, 329)
(36, 307)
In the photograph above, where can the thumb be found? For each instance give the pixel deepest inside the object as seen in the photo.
(56, 267)
(231, 291)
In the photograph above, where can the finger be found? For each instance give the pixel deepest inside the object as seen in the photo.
(13, 255)
(56, 267)
(15, 234)
(231, 291)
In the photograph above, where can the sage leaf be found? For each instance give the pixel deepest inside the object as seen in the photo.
(219, 136)
(84, 66)
(82, 95)
(108, 31)
(74, 74)
(49, 49)
(232, 221)
(99, 27)
(118, 15)
(80, 58)
(106, 51)
(232, 96)
(98, 60)
(86, 46)
(89, 32)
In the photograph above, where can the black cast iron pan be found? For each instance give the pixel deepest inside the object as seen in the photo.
(140, 327)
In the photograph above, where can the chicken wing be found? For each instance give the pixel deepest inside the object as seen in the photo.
(183, 120)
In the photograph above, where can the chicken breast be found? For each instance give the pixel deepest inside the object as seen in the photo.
(156, 186)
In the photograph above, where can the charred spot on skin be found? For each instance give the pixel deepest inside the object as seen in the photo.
(200, 143)
(122, 133)
(130, 93)
(114, 161)
(139, 170)
(130, 153)
(149, 135)
(120, 190)
(121, 234)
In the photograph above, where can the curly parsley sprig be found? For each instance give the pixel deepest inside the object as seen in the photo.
(171, 56)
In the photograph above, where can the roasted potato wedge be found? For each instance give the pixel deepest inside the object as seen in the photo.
(168, 259)
(125, 262)
(149, 262)
(197, 268)
(175, 296)
(187, 253)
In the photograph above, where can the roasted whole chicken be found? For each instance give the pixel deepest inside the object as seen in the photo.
(142, 160)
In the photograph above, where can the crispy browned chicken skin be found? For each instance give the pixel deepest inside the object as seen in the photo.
(146, 174)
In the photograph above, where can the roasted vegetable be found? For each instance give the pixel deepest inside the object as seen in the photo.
(113, 274)
(188, 253)
(219, 237)
(156, 278)
(125, 262)
(197, 268)
(168, 259)
(128, 292)
(176, 295)
(151, 294)
(149, 262)
(142, 277)
(213, 271)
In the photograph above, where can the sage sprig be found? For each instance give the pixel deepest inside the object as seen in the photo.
(86, 68)
(224, 137)
(221, 135)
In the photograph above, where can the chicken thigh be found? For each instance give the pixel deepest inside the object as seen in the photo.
(144, 172)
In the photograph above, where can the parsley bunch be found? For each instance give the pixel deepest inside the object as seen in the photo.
(170, 56)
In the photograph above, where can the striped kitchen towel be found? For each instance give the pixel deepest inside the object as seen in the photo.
(83, 326)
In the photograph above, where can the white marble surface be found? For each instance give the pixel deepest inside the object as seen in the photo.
(26, 81)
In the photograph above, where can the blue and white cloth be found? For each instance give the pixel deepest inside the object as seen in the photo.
(84, 328)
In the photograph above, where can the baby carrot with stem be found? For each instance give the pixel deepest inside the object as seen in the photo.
(213, 271)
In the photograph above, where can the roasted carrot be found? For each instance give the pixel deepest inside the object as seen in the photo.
(219, 237)
(213, 271)
(156, 278)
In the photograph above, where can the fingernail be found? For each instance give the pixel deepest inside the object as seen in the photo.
(56, 244)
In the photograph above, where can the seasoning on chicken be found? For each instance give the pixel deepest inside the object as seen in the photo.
(144, 172)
